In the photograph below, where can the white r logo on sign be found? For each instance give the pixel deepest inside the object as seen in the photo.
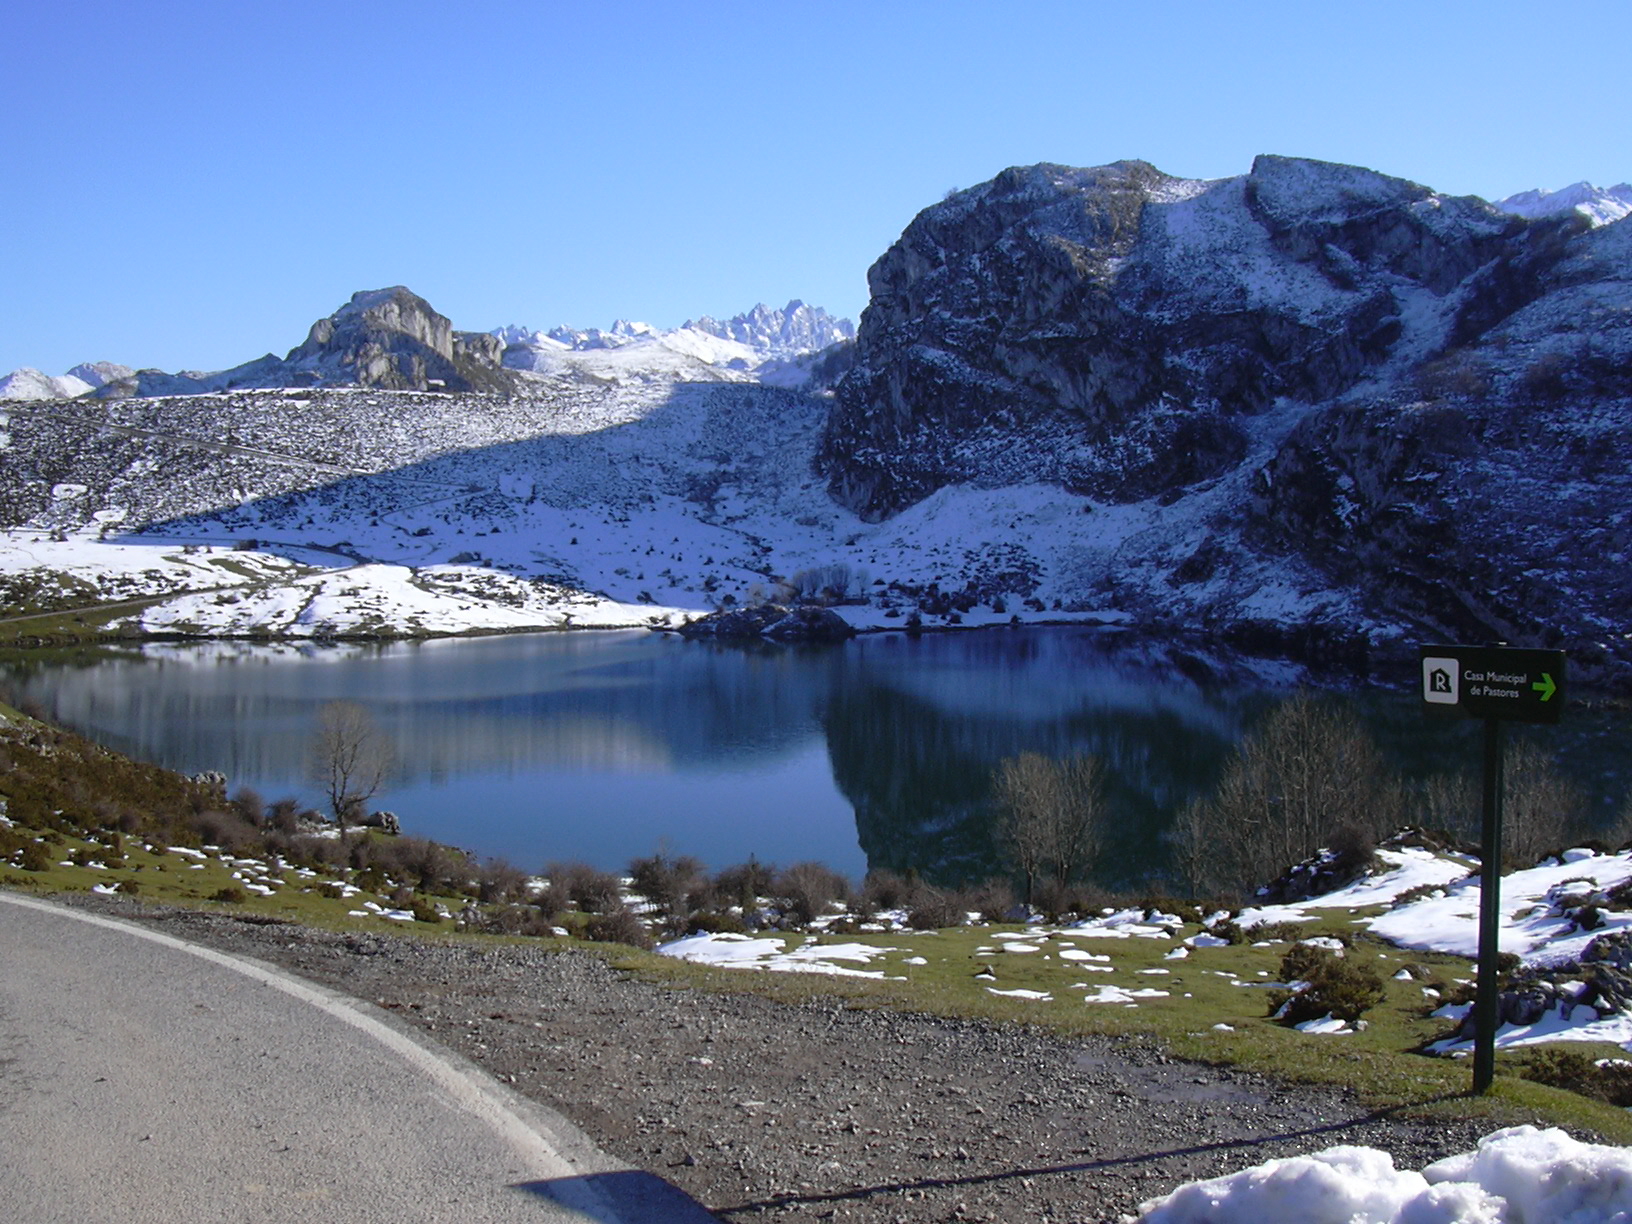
(1439, 681)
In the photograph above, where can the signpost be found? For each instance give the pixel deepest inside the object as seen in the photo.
(1497, 684)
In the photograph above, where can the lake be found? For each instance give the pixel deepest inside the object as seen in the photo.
(602, 747)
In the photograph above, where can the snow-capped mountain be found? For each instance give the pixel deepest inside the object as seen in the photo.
(794, 330)
(30, 384)
(1417, 402)
(771, 346)
(1600, 205)
(1308, 409)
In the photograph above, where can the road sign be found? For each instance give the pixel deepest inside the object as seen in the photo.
(1497, 684)
(1493, 682)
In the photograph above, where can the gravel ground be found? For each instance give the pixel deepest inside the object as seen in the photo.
(766, 1111)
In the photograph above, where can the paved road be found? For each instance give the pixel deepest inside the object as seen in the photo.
(144, 1079)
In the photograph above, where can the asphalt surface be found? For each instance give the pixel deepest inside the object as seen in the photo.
(146, 1079)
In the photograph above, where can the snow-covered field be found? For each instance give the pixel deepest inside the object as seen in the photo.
(595, 501)
(1519, 1175)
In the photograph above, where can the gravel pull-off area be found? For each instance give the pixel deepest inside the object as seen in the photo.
(766, 1111)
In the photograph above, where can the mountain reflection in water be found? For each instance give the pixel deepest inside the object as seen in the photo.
(607, 746)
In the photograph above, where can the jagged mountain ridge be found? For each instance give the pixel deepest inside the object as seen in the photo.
(394, 339)
(790, 347)
(1600, 205)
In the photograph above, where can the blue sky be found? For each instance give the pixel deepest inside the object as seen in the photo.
(191, 184)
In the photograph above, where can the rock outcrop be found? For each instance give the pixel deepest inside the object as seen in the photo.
(772, 621)
(1415, 400)
(391, 338)
(1110, 329)
(386, 338)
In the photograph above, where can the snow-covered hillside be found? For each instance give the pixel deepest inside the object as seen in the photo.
(1309, 409)
(1600, 205)
(435, 513)
(775, 347)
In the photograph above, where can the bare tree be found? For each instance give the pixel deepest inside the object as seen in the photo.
(1542, 810)
(1050, 815)
(1308, 772)
(350, 759)
(1194, 856)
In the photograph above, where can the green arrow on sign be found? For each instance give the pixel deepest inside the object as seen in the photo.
(1545, 686)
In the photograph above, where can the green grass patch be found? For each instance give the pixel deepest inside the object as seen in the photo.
(86, 817)
(1209, 987)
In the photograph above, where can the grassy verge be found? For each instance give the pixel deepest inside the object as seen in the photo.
(78, 817)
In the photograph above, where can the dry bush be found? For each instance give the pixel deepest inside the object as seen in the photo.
(884, 889)
(284, 815)
(1050, 815)
(1542, 811)
(993, 900)
(228, 830)
(1307, 772)
(742, 886)
(499, 881)
(675, 886)
(806, 890)
(582, 887)
(248, 804)
(619, 926)
(931, 909)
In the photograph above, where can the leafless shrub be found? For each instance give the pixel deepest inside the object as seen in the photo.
(619, 926)
(499, 881)
(581, 887)
(248, 804)
(673, 885)
(1309, 771)
(284, 815)
(884, 889)
(228, 830)
(1542, 811)
(931, 909)
(1050, 815)
(741, 885)
(806, 890)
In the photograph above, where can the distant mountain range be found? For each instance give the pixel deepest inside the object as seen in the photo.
(1600, 205)
(393, 338)
(1309, 410)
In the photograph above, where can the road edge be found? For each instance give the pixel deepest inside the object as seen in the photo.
(547, 1137)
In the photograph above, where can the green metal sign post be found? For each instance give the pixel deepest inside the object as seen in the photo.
(1497, 684)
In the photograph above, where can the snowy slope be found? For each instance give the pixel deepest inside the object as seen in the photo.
(29, 384)
(761, 345)
(1600, 205)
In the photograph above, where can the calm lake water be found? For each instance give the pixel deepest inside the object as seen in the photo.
(608, 746)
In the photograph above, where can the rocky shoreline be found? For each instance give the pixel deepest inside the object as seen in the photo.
(772, 1111)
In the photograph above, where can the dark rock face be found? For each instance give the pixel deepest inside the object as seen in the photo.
(1122, 322)
(1489, 494)
(1416, 401)
(779, 624)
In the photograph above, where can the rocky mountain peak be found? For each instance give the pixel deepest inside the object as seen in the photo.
(392, 338)
(387, 319)
(1599, 205)
(795, 329)
(1127, 324)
